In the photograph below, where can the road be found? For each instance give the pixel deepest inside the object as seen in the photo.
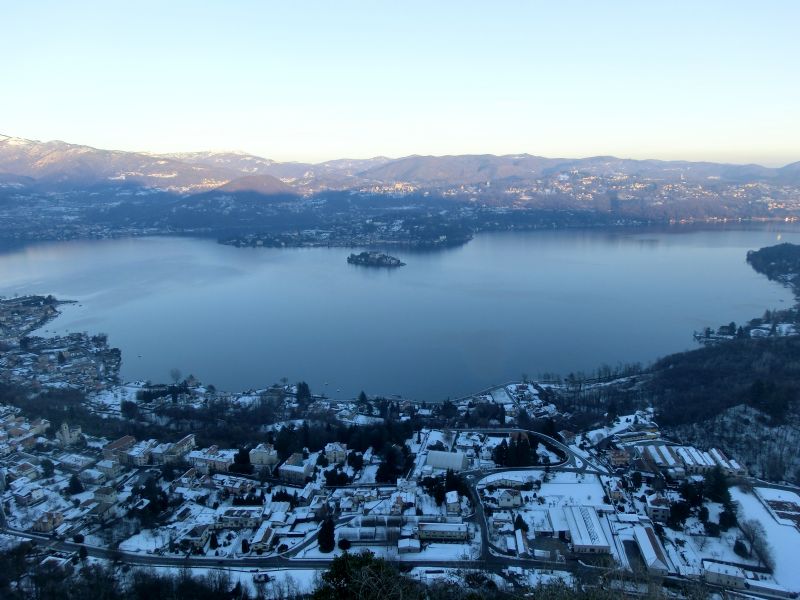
(273, 562)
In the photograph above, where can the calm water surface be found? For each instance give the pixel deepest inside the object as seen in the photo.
(449, 323)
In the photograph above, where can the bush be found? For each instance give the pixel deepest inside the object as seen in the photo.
(344, 544)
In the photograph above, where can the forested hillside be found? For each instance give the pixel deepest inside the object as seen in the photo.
(778, 263)
(763, 373)
(740, 395)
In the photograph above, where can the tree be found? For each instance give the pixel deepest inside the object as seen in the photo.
(129, 409)
(519, 523)
(175, 375)
(753, 531)
(361, 576)
(327, 536)
(83, 553)
(678, 513)
(703, 514)
(245, 546)
(355, 460)
(213, 542)
(75, 486)
(727, 518)
(693, 494)
(168, 472)
(716, 486)
(241, 462)
(48, 468)
(344, 544)
(636, 480)
(362, 397)
(500, 453)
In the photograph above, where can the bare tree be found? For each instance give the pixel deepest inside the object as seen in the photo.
(753, 532)
(175, 375)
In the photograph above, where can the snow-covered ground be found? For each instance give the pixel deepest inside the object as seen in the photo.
(145, 540)
(622, 423)
(367, 474)
(110, 400)
(784, 539)
(500, 396)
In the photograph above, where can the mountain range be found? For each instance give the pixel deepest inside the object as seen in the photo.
(60, 166)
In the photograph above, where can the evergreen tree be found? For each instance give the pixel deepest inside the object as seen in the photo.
(75, 486)
(327, 536)
(47, 467)
(519, 523)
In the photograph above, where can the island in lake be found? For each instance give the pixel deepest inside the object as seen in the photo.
(374, 259)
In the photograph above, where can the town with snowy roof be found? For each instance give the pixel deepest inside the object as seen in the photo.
(521, 505)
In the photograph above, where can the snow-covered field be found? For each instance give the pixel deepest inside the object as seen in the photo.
(144, 540)
(784, 539)
(581, 490)
(111, 400)
(500, 396)
(367, 474)
(561, 489)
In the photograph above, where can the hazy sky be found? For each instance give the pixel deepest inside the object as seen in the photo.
(300, 80)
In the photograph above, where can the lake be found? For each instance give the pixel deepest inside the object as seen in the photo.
(447, 324)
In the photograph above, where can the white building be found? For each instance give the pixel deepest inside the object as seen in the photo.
(585, 531)
(455, 461)
(443, 532)
(295, 469)
(264, 455)
(452, 503)
(408, 545)
(139, 454)
(653, 554)
(211, 459)
(509, 498)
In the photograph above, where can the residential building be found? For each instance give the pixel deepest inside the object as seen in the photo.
(657, 508)
(240, 517)
(211, 459)
(109, 468)
(295, 469)
(115, 449)
(442, 532)
(48, 521)
(197, 537)
(336, 453)
(509, 498)
(139, 454)
(452, 503)
(262, 539)
(263, 455)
